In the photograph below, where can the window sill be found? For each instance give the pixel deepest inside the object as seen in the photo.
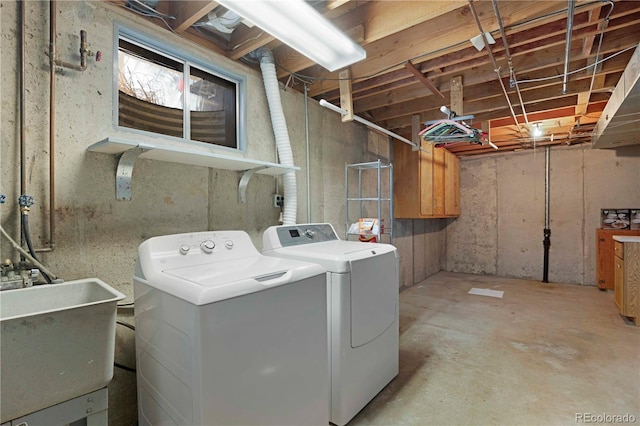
(130, 151)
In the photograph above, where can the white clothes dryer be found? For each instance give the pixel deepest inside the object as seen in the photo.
(362, 291)
(227, 336)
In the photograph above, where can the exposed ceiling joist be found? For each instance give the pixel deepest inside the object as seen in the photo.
(433, 36)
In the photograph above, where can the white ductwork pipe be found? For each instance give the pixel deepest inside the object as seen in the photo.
(283, 144)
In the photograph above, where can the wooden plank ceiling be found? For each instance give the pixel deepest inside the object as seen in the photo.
(415, 49)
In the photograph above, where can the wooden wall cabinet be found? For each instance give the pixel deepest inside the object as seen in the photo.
(605, 256)
(627, 276)
(426, 183)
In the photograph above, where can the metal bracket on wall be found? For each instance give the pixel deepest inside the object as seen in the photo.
(244, 181)
(125, 171)
(129, 151)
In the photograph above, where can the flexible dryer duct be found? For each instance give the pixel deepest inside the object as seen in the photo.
(283, 144)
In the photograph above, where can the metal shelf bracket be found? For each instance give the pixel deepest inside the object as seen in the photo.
(129, 151)
(244, 181)
(124, 173)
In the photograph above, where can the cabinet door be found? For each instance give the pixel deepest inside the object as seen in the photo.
(604, 256)
(406, 181)
(452, 187)
(619, 284)
(426, 179)
(439, 176)
(426, 182)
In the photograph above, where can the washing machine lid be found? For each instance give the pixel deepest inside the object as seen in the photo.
(318, 243)
(232, 268)
(334, 256)
(213, 282)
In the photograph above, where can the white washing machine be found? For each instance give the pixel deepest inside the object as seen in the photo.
(227, 336)
(362, 283)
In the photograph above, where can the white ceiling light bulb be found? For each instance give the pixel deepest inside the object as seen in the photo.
(537, 130)
(446, 111)
(300, 26)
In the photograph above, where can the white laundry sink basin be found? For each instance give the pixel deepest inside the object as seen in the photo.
(56, 343)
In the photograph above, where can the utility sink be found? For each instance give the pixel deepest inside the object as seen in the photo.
(57, 342)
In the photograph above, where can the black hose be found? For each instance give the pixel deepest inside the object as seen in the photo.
(27, 235)
(126, 324)
(27, 239)
(124, 367)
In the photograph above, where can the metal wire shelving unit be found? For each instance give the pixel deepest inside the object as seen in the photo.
(377, 205)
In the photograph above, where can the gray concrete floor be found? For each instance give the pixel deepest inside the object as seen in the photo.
(543, 354)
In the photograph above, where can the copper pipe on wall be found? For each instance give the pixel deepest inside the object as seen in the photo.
(23, 148)
(84, 52)
(53, 62)
(52, 127)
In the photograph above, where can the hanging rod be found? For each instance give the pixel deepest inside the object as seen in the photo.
(374, 126)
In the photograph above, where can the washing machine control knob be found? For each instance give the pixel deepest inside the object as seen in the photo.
(184, 249)
(207, 246)
(228, 244)
(310, 233)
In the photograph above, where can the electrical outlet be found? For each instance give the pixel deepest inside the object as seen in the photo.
(278, 200)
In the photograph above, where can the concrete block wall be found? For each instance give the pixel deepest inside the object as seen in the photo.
(500, 230)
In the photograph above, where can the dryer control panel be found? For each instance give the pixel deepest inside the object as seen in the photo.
(294, 235)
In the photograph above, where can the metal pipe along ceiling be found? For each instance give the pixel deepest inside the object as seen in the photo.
(495, 65)
(512, 75)
(567, 54)
(367, 123)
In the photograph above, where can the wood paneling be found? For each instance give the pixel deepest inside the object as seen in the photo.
(426, 182)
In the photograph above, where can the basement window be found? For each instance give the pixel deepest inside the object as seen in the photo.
(165, 93)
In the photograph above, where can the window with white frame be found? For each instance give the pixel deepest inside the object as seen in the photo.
(163, 93)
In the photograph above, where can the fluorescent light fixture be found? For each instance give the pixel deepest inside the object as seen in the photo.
(300, 26)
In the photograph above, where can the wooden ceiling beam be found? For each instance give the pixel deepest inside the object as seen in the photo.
(531, 97)
(424, 80)
(520, 43)
(403, 123)
(537, 116)
(587, 43)
(346, 100)
(481, 82)
(431, 37)
(245, 40)
(429, 107)
(455, 62)
(188, 13)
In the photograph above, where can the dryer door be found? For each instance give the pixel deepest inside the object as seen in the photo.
(374, 296)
